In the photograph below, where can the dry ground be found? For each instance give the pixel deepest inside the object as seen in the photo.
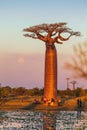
(26, 103)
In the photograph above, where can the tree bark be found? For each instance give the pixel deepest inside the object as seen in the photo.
(50, 82)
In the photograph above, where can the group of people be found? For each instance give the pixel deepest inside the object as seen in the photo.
(51, 101)
(48, 101)
(36, 101)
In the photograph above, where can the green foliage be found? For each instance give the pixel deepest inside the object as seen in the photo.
(19, 91)
(68, 92)
(7, 91)
(72, 93)
(78, 92)
(34, 92)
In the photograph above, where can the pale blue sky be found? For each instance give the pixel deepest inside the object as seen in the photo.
(18, 14)
(15, 15)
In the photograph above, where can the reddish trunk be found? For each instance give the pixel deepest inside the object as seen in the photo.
(50, 88)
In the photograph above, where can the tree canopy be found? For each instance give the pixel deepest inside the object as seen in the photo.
(51, 33)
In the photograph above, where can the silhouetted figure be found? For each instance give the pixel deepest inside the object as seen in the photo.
(49, 102)
(59, 102)
(45, 99)
(79, 108)
(52, 100)
(80, 103)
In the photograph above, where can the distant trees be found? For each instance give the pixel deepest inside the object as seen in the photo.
(7, 91)
(78, 62)
(18, 91)
(78, 92)
(72, 93)
(35, 92)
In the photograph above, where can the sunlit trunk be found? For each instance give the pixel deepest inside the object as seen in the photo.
(50, 83)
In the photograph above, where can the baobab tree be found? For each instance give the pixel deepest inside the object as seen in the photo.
(50, 34)
(73, 83)
(67, 83)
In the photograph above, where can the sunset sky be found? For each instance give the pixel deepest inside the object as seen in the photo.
(22, 59)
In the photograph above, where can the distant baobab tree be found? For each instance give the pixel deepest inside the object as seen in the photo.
(73, 83)
(67, 83)
(50, 34)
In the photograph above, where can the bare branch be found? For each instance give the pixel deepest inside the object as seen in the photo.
(62, 38)
(33, 36)
(76, 33)
(79, 61)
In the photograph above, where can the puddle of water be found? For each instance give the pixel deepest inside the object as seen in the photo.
(27, 120)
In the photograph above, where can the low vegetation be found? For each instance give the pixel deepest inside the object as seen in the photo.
(15, 98)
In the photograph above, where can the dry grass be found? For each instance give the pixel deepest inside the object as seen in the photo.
(70, 104)
(18, 102)
(27, 102)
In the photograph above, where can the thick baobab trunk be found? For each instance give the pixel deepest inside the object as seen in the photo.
(50, 84)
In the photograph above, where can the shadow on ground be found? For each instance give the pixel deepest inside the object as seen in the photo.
(31, 106)
(34, 106)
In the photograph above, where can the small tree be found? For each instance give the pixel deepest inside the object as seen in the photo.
(78, 63)
(78, 92)
(5, 91)
(19, 91)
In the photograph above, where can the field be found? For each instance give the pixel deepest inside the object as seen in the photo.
(27, 103)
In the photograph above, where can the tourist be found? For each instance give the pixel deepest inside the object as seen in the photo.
(45, 99)
(59, 102)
